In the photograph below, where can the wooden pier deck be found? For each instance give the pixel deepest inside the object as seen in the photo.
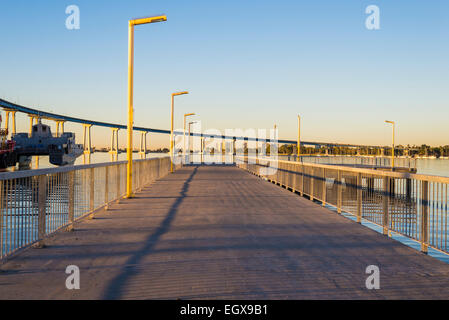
(221, 233)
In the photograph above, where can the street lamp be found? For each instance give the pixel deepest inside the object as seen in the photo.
(392, 150)
(132, 23)
(190, 123)
(184, 141)
(299, 137)
(276, 136)
(172, 125)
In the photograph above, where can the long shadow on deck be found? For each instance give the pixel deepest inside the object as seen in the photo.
(113, 291)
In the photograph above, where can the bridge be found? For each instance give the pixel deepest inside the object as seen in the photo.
(11, 109)
(254, 229)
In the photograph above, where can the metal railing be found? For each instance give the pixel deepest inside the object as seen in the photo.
(34, 204)
(354, 161)
(413, 205)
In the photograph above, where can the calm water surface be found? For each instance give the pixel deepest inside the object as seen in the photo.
(437, 167)
(98, 157)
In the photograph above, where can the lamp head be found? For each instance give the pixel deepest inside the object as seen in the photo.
(180, 93)
(135, 22)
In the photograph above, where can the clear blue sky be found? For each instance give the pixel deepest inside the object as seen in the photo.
(247, 64)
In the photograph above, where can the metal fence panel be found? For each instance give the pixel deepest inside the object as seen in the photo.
(413, 205)
(36, 203)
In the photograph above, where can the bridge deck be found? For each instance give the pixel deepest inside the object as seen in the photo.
(219, 232)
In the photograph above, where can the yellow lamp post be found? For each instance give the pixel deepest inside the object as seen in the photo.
(392, 149)
(132, 23)
(190, 123)
(299, 137)
(172, 125)
(185, 119)
(275, 138)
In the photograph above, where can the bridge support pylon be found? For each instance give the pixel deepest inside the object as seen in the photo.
(36, 162)
(223, 151)
(13, 115)
(114, 151)
(33, 120)
(86, 158)
(114, 141)
(59, 123)
(143, 144)
(87, 139)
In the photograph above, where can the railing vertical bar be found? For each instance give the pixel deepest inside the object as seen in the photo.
(433, 212)
(302, 180)
(441, 215)
(71, 200)
(56, 191)
(31, 219)
(49, 206)
(8, 216)
(385, 219)
(324, 195)
(1, 220)
(339, 192)
(312, 184)
(42, 203)
(53, 200)
(16, 218)
(424, 216)
(417, 197)
(118, 183)
(359, 197)
(445, 217)
(20, 216)
(106, 186)
(92, 192)
(25, 211)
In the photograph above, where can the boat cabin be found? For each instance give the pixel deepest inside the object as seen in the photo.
(41, 131)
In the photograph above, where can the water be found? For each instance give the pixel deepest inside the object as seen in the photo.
(97, 157)
(435, 167)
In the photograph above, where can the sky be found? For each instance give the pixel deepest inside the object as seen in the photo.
(246, 64)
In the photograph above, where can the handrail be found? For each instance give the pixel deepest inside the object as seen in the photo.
(413, 205)
(383, 173)
(38, 172)
(37, 203)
